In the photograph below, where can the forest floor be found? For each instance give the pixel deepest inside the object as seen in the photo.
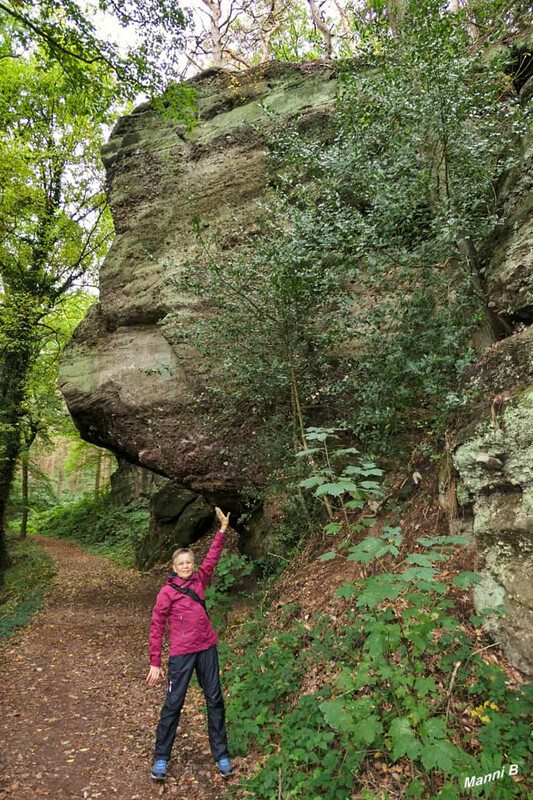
(77, 718)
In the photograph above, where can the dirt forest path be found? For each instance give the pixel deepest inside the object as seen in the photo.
(77, 719)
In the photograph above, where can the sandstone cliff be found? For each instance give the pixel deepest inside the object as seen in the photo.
(126, 386)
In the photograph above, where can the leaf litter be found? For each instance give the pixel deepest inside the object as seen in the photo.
(76, 716)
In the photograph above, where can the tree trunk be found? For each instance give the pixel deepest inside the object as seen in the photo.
(499, 327)
(13, 372)
(266, 30)
(4, 558)
(215, 14)
(98, 473)
(9, 453)
(25, 494)
(346, 27)
(322, 27)
(60, 477)
(473, 30)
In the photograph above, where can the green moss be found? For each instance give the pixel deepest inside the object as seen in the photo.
(462, 495)
(80, 367)
(285, 99)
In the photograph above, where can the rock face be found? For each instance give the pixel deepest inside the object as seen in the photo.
(494, 459)
(130, 483)
(178, 518)
(127, 386)
(510, 270)
(493, 453)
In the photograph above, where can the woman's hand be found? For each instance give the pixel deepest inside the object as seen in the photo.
(154, 675)
(223, 520)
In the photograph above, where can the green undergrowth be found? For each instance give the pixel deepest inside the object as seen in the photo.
(401, 697)
(25, 584)
(402, 690)
(227, 586)
(98, 526)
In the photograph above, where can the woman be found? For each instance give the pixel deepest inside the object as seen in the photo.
(193, 646)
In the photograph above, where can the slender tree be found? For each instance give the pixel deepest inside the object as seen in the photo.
(54, 223)
(325, 27)
(95, 462)
(44, 413)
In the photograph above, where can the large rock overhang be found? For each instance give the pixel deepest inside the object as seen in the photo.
(127, 386)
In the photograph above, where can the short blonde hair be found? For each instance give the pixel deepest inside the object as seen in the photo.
(182, 552)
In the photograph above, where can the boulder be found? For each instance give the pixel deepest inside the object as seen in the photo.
(128, 385)
(178, 518)
(493, 456)
(135, 388)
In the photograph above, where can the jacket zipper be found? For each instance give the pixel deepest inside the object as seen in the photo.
(181, 620)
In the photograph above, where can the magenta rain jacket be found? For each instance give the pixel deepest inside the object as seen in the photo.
(189, 627)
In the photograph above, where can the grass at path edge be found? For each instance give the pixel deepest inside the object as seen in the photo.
(25, 584)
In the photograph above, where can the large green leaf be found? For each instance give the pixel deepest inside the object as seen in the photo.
(404, 741)
(346, 590)
(336, 715)
(465, 579)
(308, 452)
(424, 685)
(355, 504)
(438, 755)
(417, 573)
(368, 729)
(365, 550)
(336, 489)
(308, 483)
(370, 485)
(434, 727)
(377, 643)
(420, 559)
(378, 589)
(345, 680)
(327, 556)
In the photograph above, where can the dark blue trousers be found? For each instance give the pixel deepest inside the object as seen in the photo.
(180, 669)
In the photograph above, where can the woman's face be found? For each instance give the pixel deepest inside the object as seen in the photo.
(184, 565)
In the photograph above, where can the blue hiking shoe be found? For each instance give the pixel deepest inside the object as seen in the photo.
(159, 770)
(224, 767)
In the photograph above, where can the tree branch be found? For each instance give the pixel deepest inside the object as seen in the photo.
(42, 33)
